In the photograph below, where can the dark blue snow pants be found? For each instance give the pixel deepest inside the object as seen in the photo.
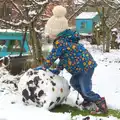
(83, 84)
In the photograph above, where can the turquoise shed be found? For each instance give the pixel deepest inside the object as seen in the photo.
(86, 21)
(11, 42)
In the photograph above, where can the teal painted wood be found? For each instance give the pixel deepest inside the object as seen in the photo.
(10, 36)
(86, 25)
(3, 54)
(96, 18)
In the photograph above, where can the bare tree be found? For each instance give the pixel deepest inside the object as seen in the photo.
(109, 19)
(109, 12)
(30, 17)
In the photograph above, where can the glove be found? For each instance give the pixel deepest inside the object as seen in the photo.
(39, 68)
(55, 71)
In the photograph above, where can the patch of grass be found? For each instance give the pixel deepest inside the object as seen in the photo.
(115, 113)
(75, 111)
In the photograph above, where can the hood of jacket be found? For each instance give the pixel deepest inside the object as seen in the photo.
(69, 36)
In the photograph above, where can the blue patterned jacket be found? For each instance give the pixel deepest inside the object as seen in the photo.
(72, 55)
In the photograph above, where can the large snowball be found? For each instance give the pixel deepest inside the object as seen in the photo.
(43, 88)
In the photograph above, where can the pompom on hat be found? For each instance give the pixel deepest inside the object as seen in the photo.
(57, 23)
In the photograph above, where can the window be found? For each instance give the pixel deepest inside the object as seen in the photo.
(83, 25)
(15, 46)
(2, 44)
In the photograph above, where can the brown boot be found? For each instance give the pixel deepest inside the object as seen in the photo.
(101, 106)
(87, 105)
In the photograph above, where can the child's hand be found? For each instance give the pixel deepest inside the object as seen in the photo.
(39, 68)
(55, 71)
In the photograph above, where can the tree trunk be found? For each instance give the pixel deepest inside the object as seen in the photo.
(98, 37)
(113, 41)
(103, 29)
(108, 41)
(38, 49)
(33, 48)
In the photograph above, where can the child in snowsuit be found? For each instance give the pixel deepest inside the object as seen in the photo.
(73, 57)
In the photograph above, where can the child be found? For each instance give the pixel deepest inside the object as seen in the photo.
(73, 57)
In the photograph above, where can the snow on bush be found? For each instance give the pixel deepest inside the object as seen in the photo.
(8, 81)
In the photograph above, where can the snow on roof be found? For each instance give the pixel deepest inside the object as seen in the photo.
(9, 30)
(86, 34)
(12, 31)
(87, 15)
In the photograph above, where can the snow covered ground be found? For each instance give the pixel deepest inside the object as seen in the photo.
(106, 81)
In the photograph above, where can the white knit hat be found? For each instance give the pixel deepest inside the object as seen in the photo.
(57, 23)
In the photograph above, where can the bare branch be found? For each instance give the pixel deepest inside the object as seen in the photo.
(46, 15)
(77, 10)
(27, 6)
(18, 24)
(24, 22)
(44, 19)
(40, 3)
(78, 2)
(38, 31)
(113, 7)
(40, 12)
(16, 6)
(108, 12)
(115, 22)
(11, 23)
